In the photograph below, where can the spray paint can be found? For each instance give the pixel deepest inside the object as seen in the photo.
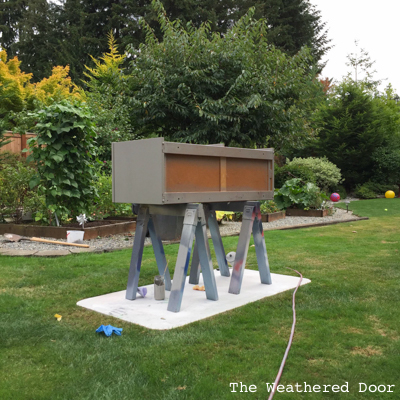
(159, 287)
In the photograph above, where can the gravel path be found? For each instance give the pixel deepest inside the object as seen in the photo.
(126, 240)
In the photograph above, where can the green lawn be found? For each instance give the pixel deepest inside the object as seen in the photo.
(374, 208)
(348, 323)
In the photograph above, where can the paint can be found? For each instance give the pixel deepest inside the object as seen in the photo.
(75, 236)
(159, 287)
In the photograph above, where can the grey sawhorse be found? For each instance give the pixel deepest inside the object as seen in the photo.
(251, 223)
(194, 225)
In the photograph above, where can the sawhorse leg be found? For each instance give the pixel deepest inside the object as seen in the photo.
(137, 253)
(251, 221)
(217, 242)
(159, 253)
(195, 267)
(218, 248)
(205, 258)
(261, 250)
(143, 222)
(193, 224)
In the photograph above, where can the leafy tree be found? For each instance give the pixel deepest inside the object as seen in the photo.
(362, 65)
(292, 24)
(326, 84)
(199, 87)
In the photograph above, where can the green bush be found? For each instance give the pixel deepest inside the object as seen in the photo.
(327, 174)
(16, 197)
(371, 189)
(3, 139)
(381, 188)
(63, 151)
(10, 159)
(365, 191)
(289, 171)
(387, 165)
(393, 188)
(295, 193)
(103, 207)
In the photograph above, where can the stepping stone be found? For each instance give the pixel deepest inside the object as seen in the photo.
(4, 250)
(52, 253)
(82, 250)
(17, 252)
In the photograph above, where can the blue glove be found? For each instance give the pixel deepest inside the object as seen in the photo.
(109, 330)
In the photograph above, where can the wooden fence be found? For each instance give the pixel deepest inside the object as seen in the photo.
(18, 142)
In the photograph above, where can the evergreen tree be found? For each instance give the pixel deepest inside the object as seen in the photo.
(43, 33)
(38, 39)
(356, 120)
(85, 27)
(106, 99)
(72, 50)
(292, 24)
(11, 12)
(355, 123)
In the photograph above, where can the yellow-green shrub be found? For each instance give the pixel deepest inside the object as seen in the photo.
(58, 86)
(17, 93)
(15, 88)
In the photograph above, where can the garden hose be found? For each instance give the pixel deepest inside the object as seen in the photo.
(278, 377)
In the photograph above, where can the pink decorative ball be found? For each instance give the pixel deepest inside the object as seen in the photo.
(335, 197)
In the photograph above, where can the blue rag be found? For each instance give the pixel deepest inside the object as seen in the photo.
(109, 330)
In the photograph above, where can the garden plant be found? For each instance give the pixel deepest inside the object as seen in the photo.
(64, 153)
(17, 198)
(327, 175)
(298, 194)
(268, 206)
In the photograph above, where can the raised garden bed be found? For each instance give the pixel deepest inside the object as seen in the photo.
(295, 212)
(270, 217)
(92, 230)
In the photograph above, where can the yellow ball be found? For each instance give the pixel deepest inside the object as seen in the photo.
(389, 194)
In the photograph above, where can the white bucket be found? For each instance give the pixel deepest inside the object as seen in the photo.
(75, 236)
